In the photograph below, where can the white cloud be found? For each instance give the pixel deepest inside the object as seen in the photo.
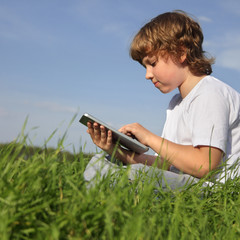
(51, 106)
(204, 19)
(95, 15)
(226, 49)
(55, 107)
(229, 58)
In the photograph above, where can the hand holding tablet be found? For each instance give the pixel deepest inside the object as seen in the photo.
(124, 140)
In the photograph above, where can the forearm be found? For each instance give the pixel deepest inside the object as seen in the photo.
(192, 160)
(129, 157)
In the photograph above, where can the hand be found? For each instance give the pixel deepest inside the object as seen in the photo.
(138, 131)
(101, 137)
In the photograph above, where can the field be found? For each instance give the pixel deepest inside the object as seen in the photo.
(43, 196)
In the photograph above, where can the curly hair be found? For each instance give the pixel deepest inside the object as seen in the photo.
(173, 34)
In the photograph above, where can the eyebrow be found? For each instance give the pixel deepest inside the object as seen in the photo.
(147, 60)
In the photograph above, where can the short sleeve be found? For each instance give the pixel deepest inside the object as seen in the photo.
(209, 119)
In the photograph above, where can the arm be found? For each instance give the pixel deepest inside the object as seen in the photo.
(103, 139)
(192, 160)
(195, 161)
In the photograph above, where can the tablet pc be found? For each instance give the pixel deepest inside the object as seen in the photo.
(124, 140)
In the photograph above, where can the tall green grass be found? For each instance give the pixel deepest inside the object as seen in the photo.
(43, 196)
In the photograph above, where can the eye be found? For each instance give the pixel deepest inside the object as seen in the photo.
(153, 64)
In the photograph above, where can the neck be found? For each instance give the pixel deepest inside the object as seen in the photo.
(190, 82)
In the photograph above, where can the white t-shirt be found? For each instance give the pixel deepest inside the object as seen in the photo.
(209, 115)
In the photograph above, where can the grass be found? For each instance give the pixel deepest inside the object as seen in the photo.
(43, 196)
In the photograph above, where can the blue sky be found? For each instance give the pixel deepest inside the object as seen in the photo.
(60, 58)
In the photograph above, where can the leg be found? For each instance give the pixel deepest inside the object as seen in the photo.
(100, 164)
(165, 179)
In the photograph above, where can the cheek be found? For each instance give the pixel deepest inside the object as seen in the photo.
(160, 74)
(174, 76)
(166, 76)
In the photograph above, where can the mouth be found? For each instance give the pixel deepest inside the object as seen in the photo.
(156, 84)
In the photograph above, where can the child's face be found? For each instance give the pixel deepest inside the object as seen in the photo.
(165, 74)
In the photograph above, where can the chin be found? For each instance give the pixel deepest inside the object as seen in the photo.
(165, 91)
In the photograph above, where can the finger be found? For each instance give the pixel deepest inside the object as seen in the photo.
(91, 131)
(123, 129)
(90, 128)
(103, 133)
(127, 129)
(96, 131)
(109, 138)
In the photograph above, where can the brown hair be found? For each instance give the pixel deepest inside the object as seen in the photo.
(173, 34)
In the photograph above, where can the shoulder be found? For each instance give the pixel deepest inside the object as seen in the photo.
(212, 89)
(214, 98)
(213, 85)
(209, 85)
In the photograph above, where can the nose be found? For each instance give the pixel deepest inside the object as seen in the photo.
(149, 75)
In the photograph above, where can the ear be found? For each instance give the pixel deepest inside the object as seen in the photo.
(183, 56)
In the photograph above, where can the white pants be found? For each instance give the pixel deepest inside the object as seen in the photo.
(101, 164)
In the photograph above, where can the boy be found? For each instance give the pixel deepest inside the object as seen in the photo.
(202, 129)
